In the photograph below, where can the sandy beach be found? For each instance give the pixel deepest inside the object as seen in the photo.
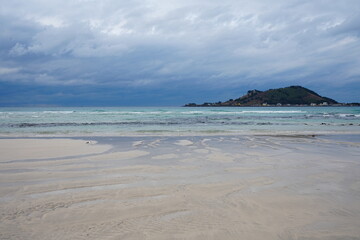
(194, 187)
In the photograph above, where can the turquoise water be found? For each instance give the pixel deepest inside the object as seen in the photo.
(120, 121)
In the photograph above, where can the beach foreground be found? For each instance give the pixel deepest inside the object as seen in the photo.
(204, 187)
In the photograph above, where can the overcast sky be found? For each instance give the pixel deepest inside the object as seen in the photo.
(164, 52)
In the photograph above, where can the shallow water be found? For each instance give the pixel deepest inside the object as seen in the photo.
(177, 121)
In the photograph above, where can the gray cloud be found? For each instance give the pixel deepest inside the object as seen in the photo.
(148, 43)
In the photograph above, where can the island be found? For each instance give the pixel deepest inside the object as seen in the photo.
(288, 96)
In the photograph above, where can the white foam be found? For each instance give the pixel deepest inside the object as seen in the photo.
(62, 112)
(241, 112)
(273, 111)
(348, 115)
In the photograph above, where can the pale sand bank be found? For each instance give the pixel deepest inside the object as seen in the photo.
(20, 149)
(245, 187)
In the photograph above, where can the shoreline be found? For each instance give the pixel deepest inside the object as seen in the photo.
(182, 134)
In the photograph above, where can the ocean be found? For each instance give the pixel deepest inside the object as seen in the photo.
(139, 121)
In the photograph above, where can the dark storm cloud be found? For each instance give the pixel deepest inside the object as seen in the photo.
(160, 44)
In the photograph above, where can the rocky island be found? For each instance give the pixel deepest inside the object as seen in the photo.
(288, 96)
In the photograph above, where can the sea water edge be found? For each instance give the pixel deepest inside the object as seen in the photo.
(177, 121)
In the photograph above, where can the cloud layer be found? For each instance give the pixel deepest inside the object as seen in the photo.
(154, 45)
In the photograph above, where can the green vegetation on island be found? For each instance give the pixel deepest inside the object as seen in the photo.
(288, 96)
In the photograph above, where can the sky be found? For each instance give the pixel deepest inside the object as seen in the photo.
(172, 52)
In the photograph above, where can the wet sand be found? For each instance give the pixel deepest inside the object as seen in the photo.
(205, 187)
